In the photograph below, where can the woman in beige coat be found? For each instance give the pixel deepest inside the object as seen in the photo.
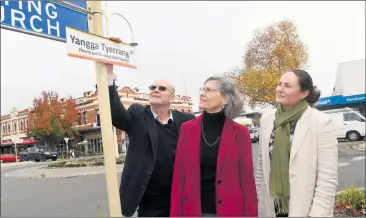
(297, 168)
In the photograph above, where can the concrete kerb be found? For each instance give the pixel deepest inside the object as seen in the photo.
(45, 173)
(15, 164)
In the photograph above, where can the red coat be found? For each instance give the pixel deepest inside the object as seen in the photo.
(235, 185)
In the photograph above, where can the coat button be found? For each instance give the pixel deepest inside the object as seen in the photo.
(149, 172)
(220, 201)
(143, 186)
(219, 182)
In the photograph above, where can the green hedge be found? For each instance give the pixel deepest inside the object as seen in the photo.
(85, 163)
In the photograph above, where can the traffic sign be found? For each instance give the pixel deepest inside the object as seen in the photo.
(16, 140)
(44, 18)
(66, 140)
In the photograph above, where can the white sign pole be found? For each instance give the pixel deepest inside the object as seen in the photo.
(67, 145)
(96, 27)
(15, 141)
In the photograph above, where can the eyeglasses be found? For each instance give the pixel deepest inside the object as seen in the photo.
(207, 89)
(160, 88)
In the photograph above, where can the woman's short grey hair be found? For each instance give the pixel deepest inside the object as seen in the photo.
(235, 102)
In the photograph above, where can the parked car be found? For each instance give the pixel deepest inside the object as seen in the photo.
(39, 153)
(254, 136)
(5, 158)
(349, 123)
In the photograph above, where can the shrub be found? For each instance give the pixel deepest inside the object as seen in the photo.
(99, 163)
(57, 165)
(351, 202)
(120, 161)
(76, 164)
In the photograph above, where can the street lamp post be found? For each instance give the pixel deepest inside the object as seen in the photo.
(106, 14)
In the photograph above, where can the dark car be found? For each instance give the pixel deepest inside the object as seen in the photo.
(39, 153)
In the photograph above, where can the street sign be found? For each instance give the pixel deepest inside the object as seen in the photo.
(44, 18)
(66, 140)
(96, 48)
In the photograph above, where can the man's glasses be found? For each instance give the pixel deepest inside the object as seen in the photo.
(160, 88)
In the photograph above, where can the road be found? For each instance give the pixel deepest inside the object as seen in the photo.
(86, 196)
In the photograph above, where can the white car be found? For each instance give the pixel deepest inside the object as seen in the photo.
(349, 123)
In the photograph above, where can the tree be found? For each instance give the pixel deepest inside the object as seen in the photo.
(272, 51)
(51, 118)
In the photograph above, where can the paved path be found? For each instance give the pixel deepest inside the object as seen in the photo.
(352, 172)
(43, 172)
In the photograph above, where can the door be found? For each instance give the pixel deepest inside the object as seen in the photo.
(31, 153)
(341, 130)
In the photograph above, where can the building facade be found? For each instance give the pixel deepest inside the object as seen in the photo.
(88, 123)
(349, 88)
(14, 125)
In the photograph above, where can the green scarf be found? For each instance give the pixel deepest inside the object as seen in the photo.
(279, 182)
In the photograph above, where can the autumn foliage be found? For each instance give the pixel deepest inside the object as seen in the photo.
(272, 51)
(51, 117)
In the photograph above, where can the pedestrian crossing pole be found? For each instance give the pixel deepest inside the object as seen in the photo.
(95, 22)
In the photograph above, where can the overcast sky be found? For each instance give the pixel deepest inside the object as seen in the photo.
(177, 40)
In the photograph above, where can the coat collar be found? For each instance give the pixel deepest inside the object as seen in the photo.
(228, 137)
(152, 129)
(301, 130)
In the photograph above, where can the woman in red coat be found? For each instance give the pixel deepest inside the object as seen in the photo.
(213, 170)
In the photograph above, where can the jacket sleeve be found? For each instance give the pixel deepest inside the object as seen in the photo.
(327, 169)
(121, 118)
(176, 207)
(246, 176)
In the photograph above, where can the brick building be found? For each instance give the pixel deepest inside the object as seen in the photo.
(88, 124)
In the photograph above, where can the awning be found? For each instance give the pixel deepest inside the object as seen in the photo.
(24, 142)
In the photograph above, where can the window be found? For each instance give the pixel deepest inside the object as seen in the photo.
(85, 117)
(9, 129)
(21, 126)
(98, 117)
(15, 126)
(79, 118)
(4, 129)
(351, 117)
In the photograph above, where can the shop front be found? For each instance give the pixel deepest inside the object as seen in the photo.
(357, 102)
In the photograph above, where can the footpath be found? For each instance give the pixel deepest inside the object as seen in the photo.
(351, 150)
(48, 173)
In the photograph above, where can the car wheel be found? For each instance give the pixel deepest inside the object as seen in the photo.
(26, 158)
(54, 159)
(353, 136)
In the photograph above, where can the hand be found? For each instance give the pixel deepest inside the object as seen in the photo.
(110, 66)
(116, 39)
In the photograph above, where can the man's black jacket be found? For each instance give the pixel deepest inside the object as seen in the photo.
(139, 123)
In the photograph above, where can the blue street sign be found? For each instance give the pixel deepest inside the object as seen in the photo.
(78, 3)
(42, 18)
